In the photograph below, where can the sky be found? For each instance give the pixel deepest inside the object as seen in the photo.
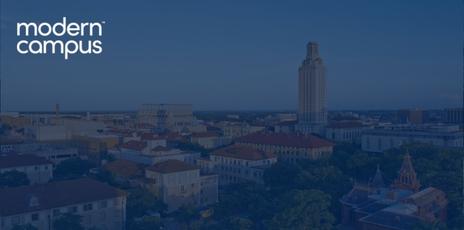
(239, 55)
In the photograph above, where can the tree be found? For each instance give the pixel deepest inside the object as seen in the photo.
(240, 223)
(140, 201)
(304, 209)
(69, 222)
(13, 179)
(245, 199)
(185, 214)
(72, 168)
(145, 223)
(280, 175)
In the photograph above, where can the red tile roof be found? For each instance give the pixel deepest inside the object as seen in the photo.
(20, 160)
(124, 168)
(171, 166)
(135, 145)
(171, 136)
(204, 134)
(53, 195)
(283, 139)
(151, 136)
(243, 152)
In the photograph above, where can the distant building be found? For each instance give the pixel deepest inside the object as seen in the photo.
(153, 140)
(312, 111)
(38, 170)
(174, 117)
(410, 116)
(383, 138)
(232, 130)
(346, 131)
(55, 152)
(95, 147)
(64, 129)
(138, 152)
(289, 147)
(285, 127)
(402, 206)
(207, 140)
(179, 184)
(99, 205)
(238, 164)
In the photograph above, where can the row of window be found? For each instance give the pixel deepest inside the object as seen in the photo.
(58, 211)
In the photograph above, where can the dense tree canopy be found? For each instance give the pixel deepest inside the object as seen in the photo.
(273, 204)
(69, 222)
(13, 179)
(72, 168)
(141, 201)
(306, 209)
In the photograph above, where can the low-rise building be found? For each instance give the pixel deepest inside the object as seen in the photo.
(383, 138)
(289, 147)
(55, 152)
(345, 131)
(38, 170)
(179, 184)
(239, 164)
(142, 155)
(174, 117)
(207, 140)
(95, 147)
(100, 206)
(232, 130)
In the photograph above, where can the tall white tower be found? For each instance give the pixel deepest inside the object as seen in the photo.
(312, 111)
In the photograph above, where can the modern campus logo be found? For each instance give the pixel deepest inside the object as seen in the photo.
(65, 38)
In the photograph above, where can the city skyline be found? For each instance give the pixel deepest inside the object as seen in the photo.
(409, 56)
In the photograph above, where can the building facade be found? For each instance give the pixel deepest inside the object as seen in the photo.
(239, 164)
(37, 169)
(454, 116)
(312, 111)
(345, 132)
(383, 138)
(179, 184)
(289, 148)
(99, 205)
(174, 117)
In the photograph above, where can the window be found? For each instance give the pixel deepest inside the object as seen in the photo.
(102, 216)
(88, 207)
(182, 189)
(56, 212)
(116, 202)
(72, 209)
(35, 216)
(15, 220)
(103, 204)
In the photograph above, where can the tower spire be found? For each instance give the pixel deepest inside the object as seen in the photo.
(407, 178)
(312, 51)
(377, 180)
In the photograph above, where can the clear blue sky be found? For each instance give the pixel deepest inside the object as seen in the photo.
(221, 55)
